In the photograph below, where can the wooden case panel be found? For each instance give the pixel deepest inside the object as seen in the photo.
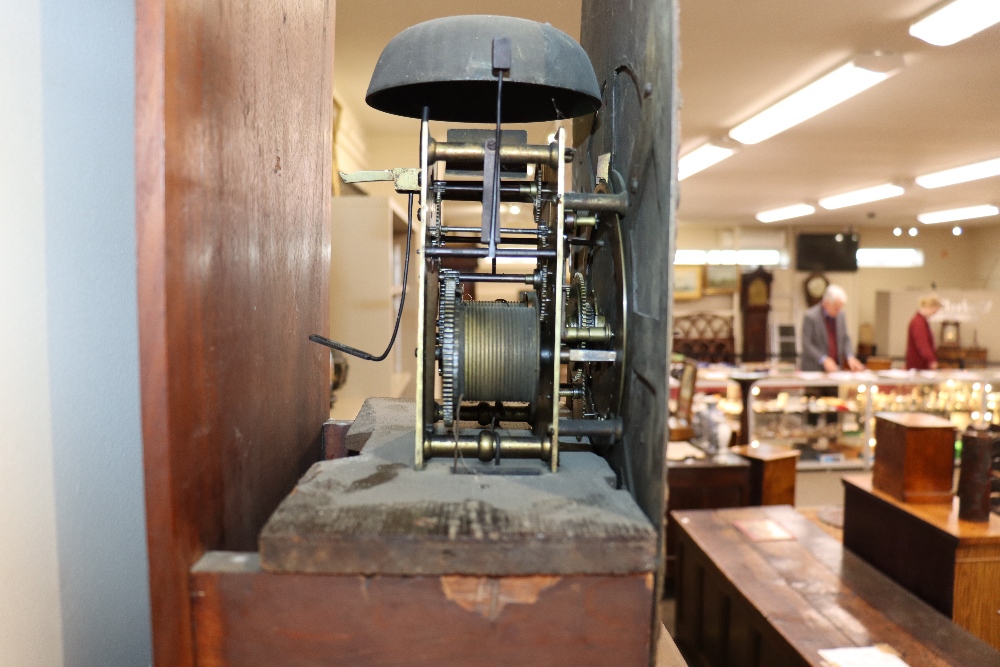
(233, 162)
(250, 618)
(916, 555)
(977, 597)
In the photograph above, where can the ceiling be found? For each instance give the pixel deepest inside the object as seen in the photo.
(942, 110)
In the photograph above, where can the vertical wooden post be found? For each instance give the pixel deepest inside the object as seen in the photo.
(233, 172)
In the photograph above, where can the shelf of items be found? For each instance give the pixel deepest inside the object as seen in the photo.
(830, 417)
(826, 417)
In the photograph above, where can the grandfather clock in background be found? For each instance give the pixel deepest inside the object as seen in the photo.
(755, 302)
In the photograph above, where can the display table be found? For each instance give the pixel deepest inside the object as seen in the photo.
(762, 475)
(779, 602)
(708, 483)
(954, 565)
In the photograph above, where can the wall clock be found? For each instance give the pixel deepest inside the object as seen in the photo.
(815, 285)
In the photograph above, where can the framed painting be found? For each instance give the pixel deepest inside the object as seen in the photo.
(687, 282)
(721, 279)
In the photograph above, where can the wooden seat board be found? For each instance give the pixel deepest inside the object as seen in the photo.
(376, 514)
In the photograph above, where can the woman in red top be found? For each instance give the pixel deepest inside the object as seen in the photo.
(920, 354)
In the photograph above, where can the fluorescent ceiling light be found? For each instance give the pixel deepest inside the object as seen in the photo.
(970, 172)
(951, 215)
(758, 257)
(745, 257)
(728, 257)
(891, 258)
(702, 158)
(786, 213)
(690, 257)
(884, 191)
(956, 21)
(841, 84)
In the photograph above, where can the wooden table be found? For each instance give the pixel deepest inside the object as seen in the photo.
(708, 483)
(952, 564)
(763, 475)
(777, 603)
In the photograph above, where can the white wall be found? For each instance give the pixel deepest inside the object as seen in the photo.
(73, 573)
(30, 622)
(977, 312)
(88, 61)
(985, 256)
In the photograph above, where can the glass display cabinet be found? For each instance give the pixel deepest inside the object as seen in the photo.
(826, 417)
(830, 418)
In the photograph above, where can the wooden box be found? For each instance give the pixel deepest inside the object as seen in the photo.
(914, 457)
(772, 473)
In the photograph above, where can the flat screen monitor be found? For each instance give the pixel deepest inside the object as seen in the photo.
(826, 252)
